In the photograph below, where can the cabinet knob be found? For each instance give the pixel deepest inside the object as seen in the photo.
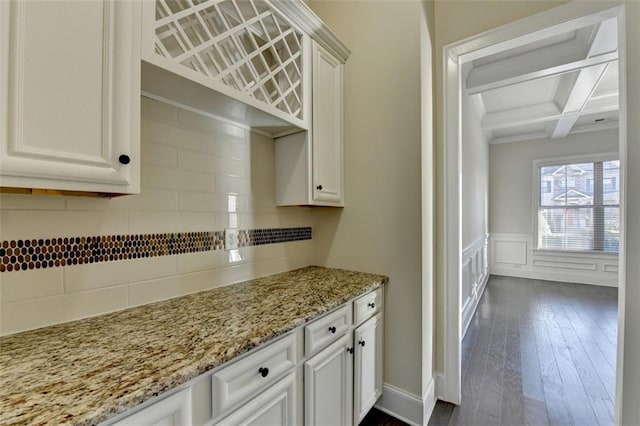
(319, 187)
(264, 371)
(361, 343)
(350, 350)
(371, 305)
(124, 159)
(332, 330)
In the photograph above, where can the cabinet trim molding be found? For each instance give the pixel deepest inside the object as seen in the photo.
(309, 23)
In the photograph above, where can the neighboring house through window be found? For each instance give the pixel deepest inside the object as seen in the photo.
(578, 204)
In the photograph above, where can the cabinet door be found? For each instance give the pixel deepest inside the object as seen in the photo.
(328, 385)
(70, 93)
(172, 411)
(274, 407)
(368, 366)
(327, 128)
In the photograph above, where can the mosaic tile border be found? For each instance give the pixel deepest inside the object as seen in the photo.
(23, 255)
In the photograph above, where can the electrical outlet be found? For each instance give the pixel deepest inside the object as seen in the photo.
(231, 238)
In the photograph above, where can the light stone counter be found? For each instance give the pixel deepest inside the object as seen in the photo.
(87, 371)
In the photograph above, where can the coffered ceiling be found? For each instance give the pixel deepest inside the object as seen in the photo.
(556, 86)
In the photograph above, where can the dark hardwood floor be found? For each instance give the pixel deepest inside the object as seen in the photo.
(379, 418)
(538, 353)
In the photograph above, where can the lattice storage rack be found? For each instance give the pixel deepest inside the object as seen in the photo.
(244, 44)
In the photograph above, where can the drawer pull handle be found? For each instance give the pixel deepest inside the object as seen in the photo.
(264, 371)
(332, 330)
(371, 305)
(361, 343)
(319, 187)
(350, 350)
(124, 159)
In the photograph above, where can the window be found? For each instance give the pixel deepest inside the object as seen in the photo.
(578, 205)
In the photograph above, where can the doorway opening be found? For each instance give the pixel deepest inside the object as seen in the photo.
(532, 92)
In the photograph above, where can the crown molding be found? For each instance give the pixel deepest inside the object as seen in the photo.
(308, 22)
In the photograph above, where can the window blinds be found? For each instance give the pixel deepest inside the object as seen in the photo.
(579, 206)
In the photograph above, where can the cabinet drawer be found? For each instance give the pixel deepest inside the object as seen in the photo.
(327, 329)
(367, 306)
(235, 384)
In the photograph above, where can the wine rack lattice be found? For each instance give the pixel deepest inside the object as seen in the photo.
(244, 44)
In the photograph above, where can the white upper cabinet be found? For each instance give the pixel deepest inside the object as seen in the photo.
(241, 59)
(327, 133)
(70, 95)
(309, 165)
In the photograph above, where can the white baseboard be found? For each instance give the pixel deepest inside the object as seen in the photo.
(401, 404)
(578, 278)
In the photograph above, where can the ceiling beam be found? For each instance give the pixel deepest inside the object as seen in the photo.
(520, 138)
(581, 92)
(521, 116)
(592, 127)
(532, 33)
(605, 40)
(560, 68)
(542, 113)
(483, 74)
(563, 126)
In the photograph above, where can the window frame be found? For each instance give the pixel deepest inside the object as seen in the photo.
(559, 161)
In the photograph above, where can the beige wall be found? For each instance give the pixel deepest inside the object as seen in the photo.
(475, 175)
(379, 229)
(191, 165)
(456, 20)
(511, 175)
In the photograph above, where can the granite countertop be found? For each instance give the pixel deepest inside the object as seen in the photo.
(85, 372)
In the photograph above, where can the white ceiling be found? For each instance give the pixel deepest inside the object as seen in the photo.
(548, 89)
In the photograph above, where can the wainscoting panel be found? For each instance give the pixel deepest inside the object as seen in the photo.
(475, 273)
(514, 255)
(511, 251)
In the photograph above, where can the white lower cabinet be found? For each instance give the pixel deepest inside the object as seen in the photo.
(325, 372)
(328, 387)
(368, 366)
(174, 410)
(276, 406)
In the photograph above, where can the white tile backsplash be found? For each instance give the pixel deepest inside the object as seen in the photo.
(43, 311)
(32, 202)
(159, 154)
(27, 224)
(197, 161)
(153, 222)
(159, 111)
(196, 181)
(198, 174)
(24, 285)
(108, 274)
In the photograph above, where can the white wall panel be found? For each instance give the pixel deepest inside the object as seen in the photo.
(513, 255)
(475, 273)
